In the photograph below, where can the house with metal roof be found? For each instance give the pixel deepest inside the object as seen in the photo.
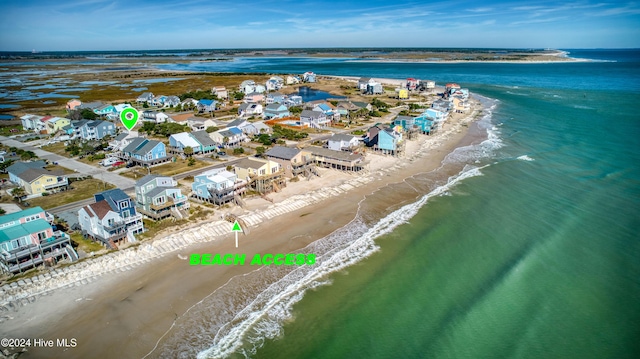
(27, 239)
(276, 110)
(262, 175)
(158, 197)
(293, 161)
(341, 160)
(111, 219)
(218, 186)
(36, 179)
(145, 152)
(314, 119)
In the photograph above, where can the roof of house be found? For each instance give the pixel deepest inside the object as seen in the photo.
(285, 153)
(151, 144)
(203, 138)
(275, 107)
(311, 114)
(237, 122)
(135, 143)
(33, 173)
(121, 136)
(99, 209)
(340, 155)
(156, 191)
(23, 229)
(207, 102)
(185, 139)
(341, 137)
(250, 163)
(112, 196)
(146, 179)
(20, 167)
(17, 215)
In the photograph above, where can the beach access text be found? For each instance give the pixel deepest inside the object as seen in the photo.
(208, 259)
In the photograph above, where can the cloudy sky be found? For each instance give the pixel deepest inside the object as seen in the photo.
(62, 25)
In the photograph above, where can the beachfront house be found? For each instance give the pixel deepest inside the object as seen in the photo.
(342, 142)
(314, 119)
(460, 105)
(387, 140)
(145, 152)
(293, 161)
(35, 179)
(111, 219)
(218, 186)
(402, 93)
(262, 175)
(374, 89)
(363, 82)
(340, 160)
(276, 110)
(28, 239)
(435, 115)
(159, 197)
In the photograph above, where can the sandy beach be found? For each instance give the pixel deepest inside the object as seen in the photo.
(128, 302)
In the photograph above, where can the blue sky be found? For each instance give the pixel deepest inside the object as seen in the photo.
(142, 24)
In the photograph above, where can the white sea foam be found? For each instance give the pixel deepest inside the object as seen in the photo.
(525, 158)
(263, 318)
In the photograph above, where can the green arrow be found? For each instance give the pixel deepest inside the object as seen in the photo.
(236, 228)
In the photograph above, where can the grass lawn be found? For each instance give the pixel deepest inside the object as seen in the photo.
(86, 244)
(80, 190)
(11, 130)
(168, 169)
(59, 168)
(57, 148)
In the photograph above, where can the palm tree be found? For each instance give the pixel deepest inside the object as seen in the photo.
(18, 193)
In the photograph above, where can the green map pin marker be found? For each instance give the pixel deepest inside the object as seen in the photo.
(129, 117)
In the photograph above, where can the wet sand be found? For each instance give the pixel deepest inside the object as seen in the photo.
(125, 314)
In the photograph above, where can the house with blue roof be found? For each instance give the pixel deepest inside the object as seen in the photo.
(159, 197)
(145, 152)
(27, 239)
(111, 219)
(218, 186)
(207, 105)
(276, 110)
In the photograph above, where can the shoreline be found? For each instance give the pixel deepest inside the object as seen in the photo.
(292, 234)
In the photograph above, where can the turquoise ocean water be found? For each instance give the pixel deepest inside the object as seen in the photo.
(531, 251)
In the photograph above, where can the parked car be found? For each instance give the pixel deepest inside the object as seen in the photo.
(116, 164)
(130, 164)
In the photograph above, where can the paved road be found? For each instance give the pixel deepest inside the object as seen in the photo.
(83, 168)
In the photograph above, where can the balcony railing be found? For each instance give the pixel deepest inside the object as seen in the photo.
(62, 181)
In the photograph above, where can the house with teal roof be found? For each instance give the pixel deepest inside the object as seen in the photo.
(27, 239)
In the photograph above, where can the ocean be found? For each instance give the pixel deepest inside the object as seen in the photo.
(523, 245)
(527, 249)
